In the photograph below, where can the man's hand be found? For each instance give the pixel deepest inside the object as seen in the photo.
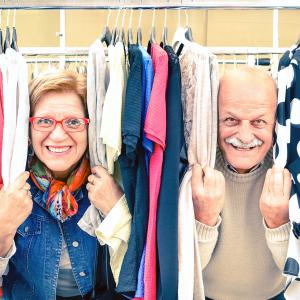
(103, 191)
(208, 192)
(15, 207)
(274, 200)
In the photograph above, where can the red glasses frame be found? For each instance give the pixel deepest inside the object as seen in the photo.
(67, 129)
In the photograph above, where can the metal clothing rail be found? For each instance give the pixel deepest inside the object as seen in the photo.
(148, 4)
(78, 51)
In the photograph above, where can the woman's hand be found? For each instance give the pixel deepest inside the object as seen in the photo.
(15, 207)
(103, 191)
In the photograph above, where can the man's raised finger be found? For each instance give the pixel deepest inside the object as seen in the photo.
(209, 178)
(277, 181)
(266, 186)
(197, 176)
(287, 183)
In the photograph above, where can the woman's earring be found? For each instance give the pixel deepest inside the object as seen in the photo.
(30, 149)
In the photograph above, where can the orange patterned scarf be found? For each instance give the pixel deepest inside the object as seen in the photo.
(57, 196)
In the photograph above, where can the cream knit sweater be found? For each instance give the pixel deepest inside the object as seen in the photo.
(241, 258)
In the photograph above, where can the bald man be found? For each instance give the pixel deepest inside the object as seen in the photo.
(241, 206)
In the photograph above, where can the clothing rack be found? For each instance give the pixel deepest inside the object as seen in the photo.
(154, 4)
(226, 55)
(79, 51)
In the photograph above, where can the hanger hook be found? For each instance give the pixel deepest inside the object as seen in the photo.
(123, 17)
(153, 17)
(7, 18)
(140, 18)
(14, 18)
(130, 18)
(186, 18)
(108, 17)
(117, 19)
(165, 21)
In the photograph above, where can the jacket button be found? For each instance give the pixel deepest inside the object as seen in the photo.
(75, 244)
(26, 229)
(82, 274)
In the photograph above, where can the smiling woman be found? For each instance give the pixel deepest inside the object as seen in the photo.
(39, 215)
(62, 146)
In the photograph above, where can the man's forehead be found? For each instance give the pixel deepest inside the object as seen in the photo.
(248, 88)
(248, 76)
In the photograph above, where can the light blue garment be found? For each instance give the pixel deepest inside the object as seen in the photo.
(139, 293)
(33, 270)
(147, 76)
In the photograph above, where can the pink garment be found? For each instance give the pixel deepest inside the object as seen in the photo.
(1, 125)
(155, 128)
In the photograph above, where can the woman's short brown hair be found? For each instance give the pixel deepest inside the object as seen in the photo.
(57, 81)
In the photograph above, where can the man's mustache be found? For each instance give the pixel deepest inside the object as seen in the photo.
(239, 144)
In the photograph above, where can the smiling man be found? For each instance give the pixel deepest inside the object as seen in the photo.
(241, 206)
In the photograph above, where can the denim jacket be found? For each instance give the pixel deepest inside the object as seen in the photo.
(33, 270)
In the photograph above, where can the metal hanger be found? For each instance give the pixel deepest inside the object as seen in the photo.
(14, 43)
(121, 36)
(188, 34)
(115, 32)
(179, 38)
(129, 33)
(153, 29)
(165, 31)
(7, 33)
(106, 34)
(139, 30)
(1, 38)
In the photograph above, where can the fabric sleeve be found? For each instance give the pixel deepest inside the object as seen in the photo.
(113, 231)
(277, 241)
(207, 239)
(4, 261)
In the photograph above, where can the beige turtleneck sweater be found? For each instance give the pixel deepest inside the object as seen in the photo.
(241, 258)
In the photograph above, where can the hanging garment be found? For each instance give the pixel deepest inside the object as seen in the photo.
(97, 82)
(167, 214)
(9, 67)
(199, 101)
(19, 155)
(1, 125)
(113, 104)
(16, 106)
(96, 89)
(113, 231)
(286, 149)
(147, 146)
(155, 128)
(133, 170)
